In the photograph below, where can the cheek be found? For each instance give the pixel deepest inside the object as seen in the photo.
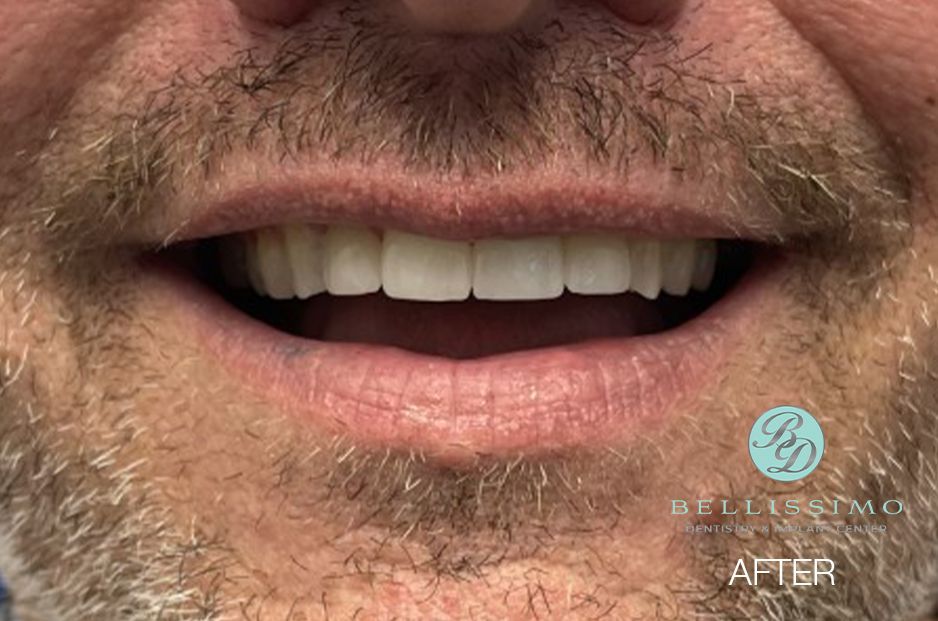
(886, 51)
(47, 50)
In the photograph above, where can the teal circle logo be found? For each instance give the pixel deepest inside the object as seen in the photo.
(786, 444)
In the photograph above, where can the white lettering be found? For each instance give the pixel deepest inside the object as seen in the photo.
(740, 566)
(802, 572)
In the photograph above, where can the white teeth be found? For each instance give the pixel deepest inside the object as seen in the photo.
(426, 269)
(597, 264)
(678, 264)
(706, 265)
(306, 249)
(300, 261)
(529, 269)
(646, 268)
(274, 264)
(353, 261)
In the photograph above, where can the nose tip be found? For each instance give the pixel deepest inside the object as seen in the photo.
(461, 16)
(444, 16)
(283, 12)
(469, 16)
(646, 11)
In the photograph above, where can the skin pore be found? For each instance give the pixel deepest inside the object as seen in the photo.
(138, 479)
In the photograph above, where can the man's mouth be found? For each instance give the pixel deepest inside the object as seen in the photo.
(466, 299)
(519, 280)
(459, 347)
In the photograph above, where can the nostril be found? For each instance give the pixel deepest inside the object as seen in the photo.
(281, 12)
(647, 12)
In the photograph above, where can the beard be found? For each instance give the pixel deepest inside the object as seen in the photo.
(134, 484)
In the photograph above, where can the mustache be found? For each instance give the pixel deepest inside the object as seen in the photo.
(576, 90)
(365, 87)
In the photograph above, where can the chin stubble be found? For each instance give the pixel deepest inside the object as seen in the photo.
(89, 533)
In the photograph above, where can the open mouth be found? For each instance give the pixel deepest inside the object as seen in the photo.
(399, 322)
(465, 299)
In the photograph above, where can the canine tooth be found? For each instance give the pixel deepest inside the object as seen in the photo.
(415, 267)
(253, 264)
(274, 264)
(706, 265)
(678, 260)
(597, 264)
(527, 269)
(305, 250)
(646, 268)
(352, 261)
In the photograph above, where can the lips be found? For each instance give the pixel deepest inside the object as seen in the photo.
(462, 378)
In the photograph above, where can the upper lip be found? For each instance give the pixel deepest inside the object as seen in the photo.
(646, 204)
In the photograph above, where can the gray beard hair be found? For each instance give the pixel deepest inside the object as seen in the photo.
(83, 537)
(84, 532)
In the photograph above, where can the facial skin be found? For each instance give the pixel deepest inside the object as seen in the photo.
(139, 477)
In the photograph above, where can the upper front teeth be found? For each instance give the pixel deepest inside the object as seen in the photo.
(421, 268)
(527, 269)
(300, 261)
(597, 264)
(352, 261)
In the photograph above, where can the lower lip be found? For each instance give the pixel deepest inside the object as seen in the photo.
(587, 395)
